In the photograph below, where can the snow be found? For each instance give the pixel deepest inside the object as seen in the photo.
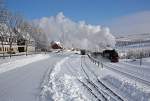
(134, 37)
(62, 86)
(63, 82)
(145, 62)
(127, 89)
(24, 83)
(66, 76)
(4, 67)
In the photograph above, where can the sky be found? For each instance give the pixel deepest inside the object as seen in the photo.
(112, 13)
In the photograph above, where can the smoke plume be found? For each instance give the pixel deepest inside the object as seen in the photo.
(76, 34)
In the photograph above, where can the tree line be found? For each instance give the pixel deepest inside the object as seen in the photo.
(16, 26)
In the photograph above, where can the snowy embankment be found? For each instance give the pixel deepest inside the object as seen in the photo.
(62, 85)
(16, 62)
(128, 80)
(77, 78)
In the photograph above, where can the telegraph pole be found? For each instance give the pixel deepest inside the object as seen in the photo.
(140, 54)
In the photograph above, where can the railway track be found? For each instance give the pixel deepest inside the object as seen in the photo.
(85, 85)
(106, 90)
(89, 89)
(145, 68)
(99, 89)
(88, 80)
(127, 74)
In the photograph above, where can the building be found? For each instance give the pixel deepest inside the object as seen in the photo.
(56, 45)
(24, 44)
(5, 42)
(18, 43)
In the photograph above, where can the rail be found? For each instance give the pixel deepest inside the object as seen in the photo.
(106, 90)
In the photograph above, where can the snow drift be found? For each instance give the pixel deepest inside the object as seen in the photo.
(75, 34)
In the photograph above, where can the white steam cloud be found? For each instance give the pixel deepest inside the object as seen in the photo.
(76, 34)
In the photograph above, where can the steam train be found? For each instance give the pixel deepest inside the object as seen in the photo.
(112, 55)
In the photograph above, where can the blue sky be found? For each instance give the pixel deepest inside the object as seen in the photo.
(92, 11)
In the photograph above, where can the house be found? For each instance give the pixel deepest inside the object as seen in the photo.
(24, 42)
(7, 40)
(56, 45)
(5, 44)
(18, 42)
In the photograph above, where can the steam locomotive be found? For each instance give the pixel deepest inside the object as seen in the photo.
(112, 55)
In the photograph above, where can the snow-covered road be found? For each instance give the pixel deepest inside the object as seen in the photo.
(24, 83)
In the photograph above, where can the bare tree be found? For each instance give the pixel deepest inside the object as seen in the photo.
(3, 27)
(2, 40)
(41, 41)
(14, 26)
(12, 22)
(27, 36)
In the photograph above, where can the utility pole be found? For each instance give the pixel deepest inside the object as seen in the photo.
(140, 54)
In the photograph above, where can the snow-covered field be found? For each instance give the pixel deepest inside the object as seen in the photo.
(67, 76)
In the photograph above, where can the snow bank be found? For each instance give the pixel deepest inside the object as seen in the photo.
(62, 86)
(76, 34)
(21, 62)
(66, 89)
(147, 60)
(129, 90)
